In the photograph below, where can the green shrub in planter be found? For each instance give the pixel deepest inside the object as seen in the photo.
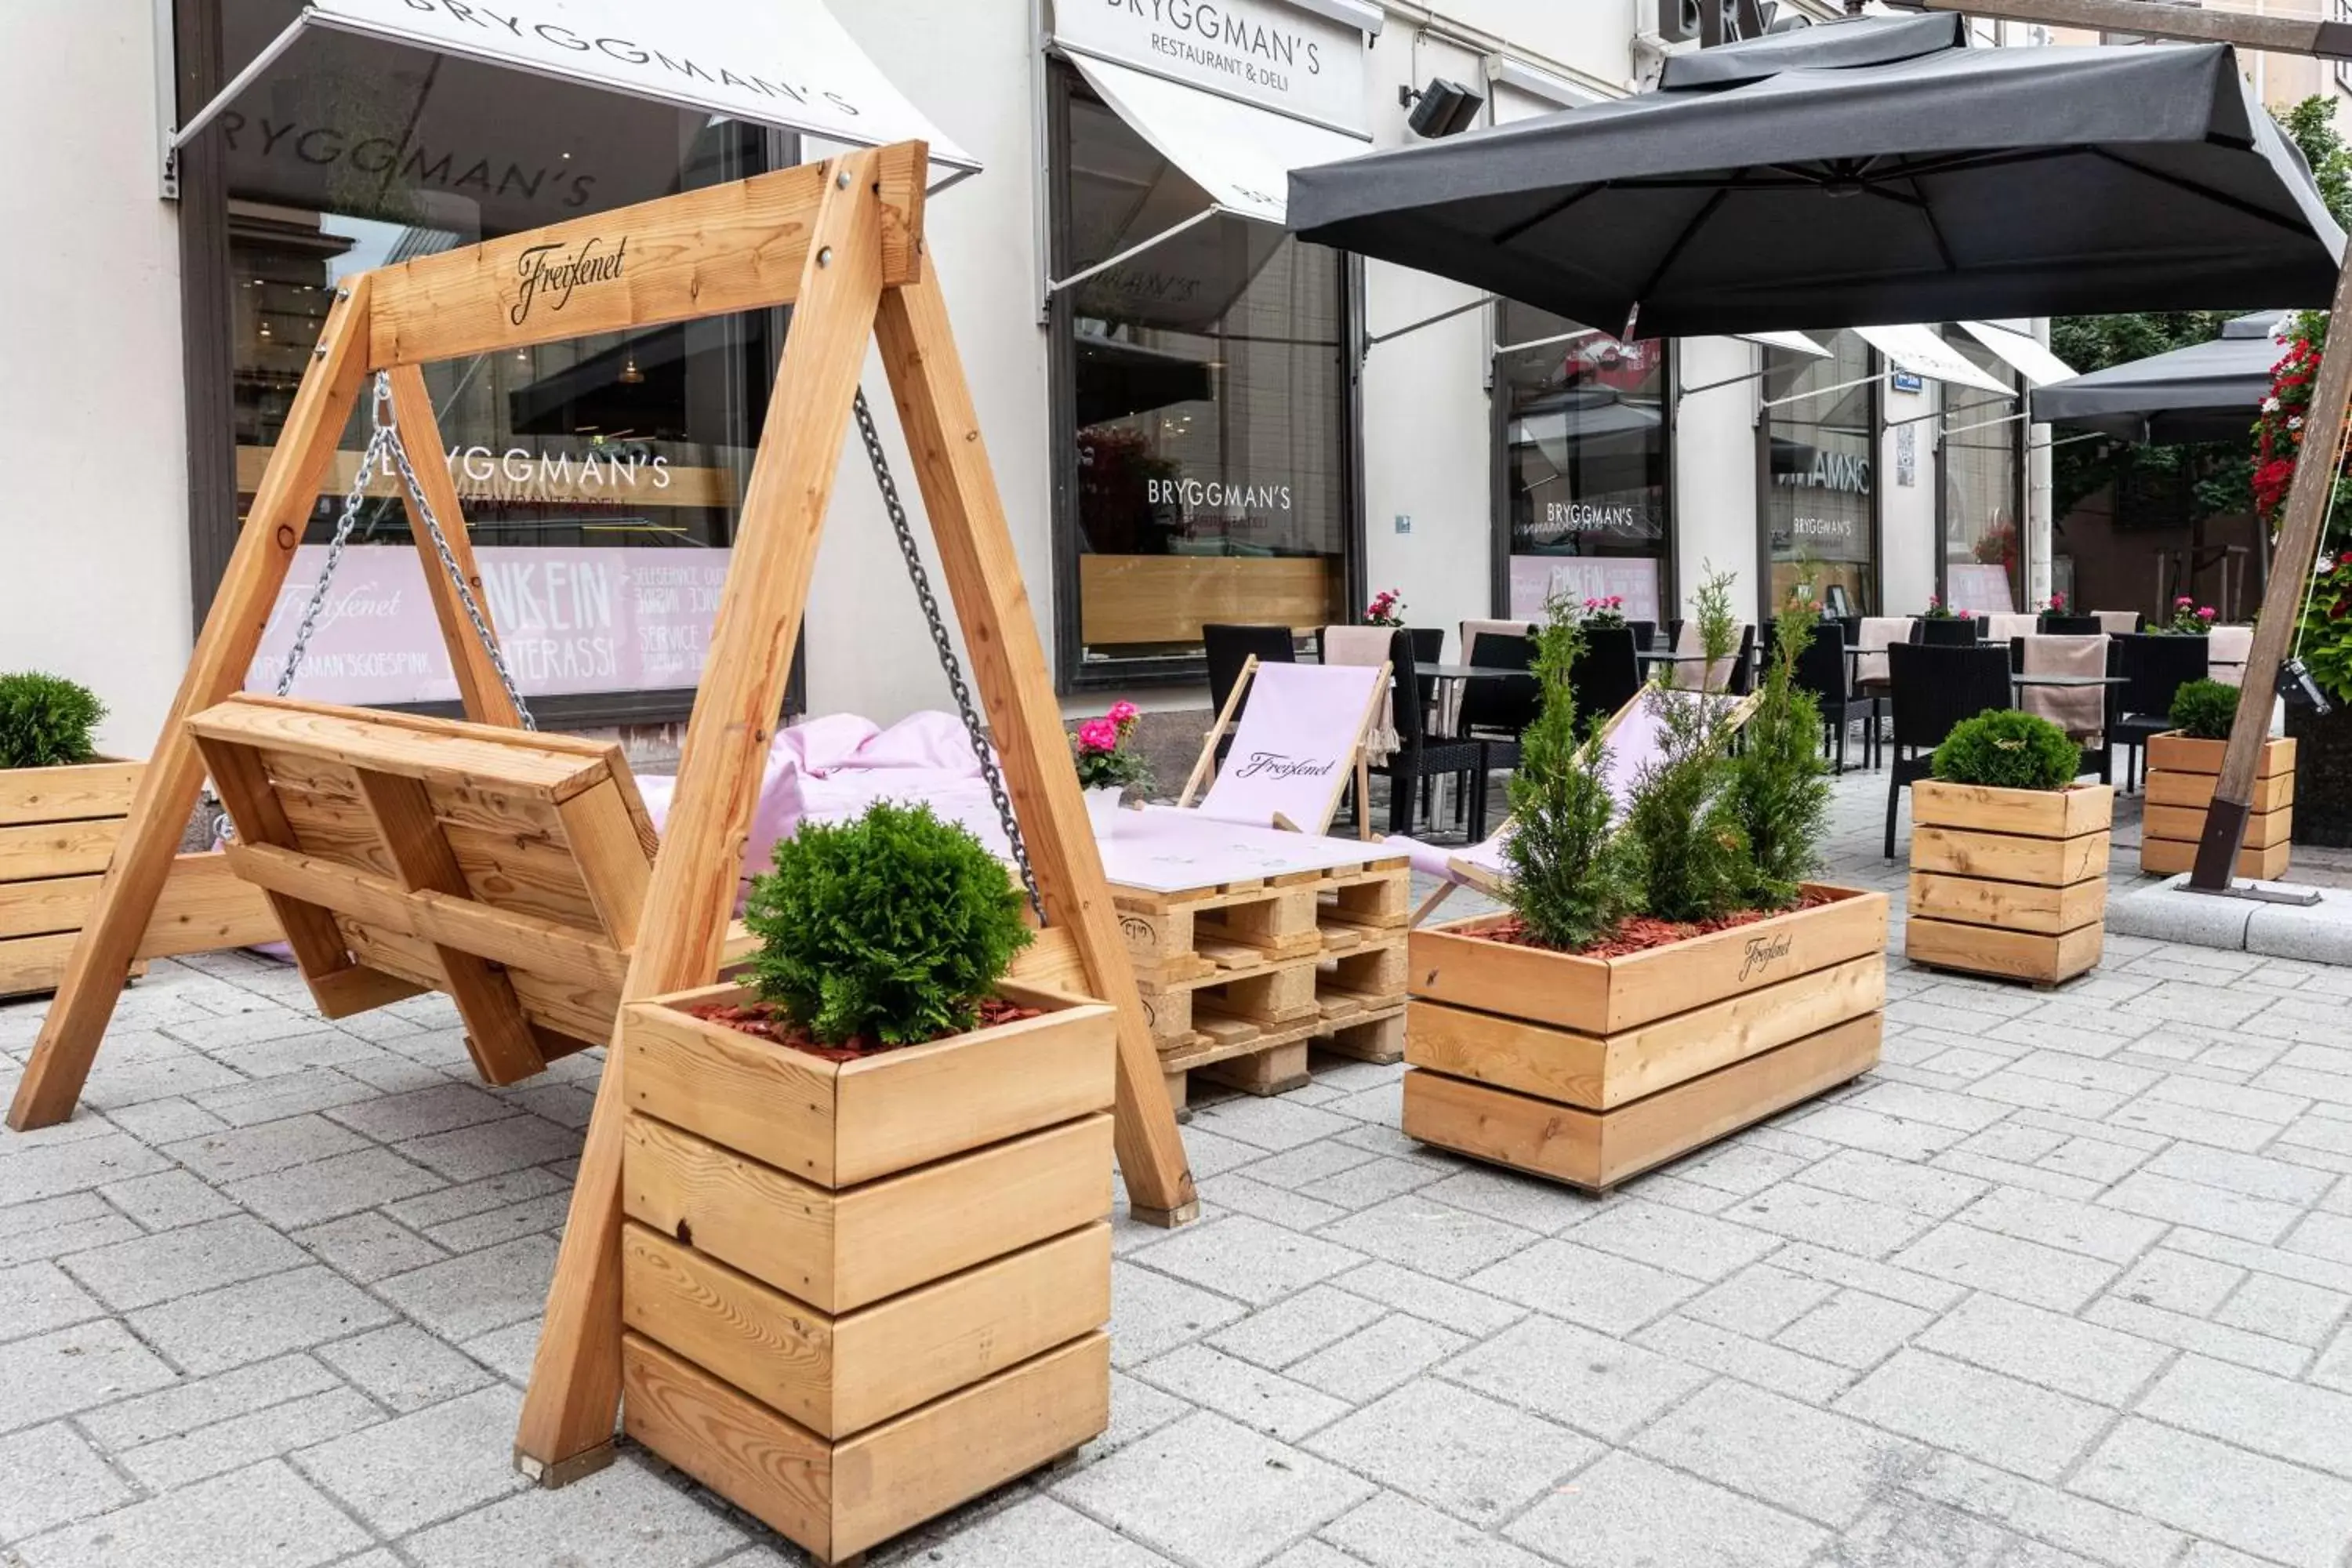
(2204, 710)
(890, 927)
(2004, 749)
(45, 721)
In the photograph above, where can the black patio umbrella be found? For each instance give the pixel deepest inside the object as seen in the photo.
(1855, 172)
(2206, 392)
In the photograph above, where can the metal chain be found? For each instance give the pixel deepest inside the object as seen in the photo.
(949, 664)
(352, 501)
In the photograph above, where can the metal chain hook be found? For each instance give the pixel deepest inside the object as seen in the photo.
(945, 645)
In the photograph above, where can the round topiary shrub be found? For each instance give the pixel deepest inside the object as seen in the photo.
(45, 721)
(890, 927)
(2005, 749)
(2204, 710)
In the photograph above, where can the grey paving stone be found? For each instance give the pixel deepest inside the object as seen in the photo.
(29, 1170)
(1394, 1531)
(38, 1297)
(53, 1478)
(1999, 1420)
(1822, 1466)
(159, 1121)
(1418, 1233)
(1831, 1219)
(329, 1189)
(1740, 1166)
(492, 1148)
(2250, 1174)
(67, 1370)
(1261, 1400)
(1371, 1361)
(404, 1367)
(455, 1203)
(1760, 1299)
(1908, 1530)
(1297, 1167)
(369, 1246)
(1573, 1375)
(2276, 1511)
(621, 1517)
(1235, 1194)
(2047, 1348)
(1860, 1127)
(2216, 1340)
(1297, 1326)
(1585, 1285)
(478, 1291)
(2328, 1235)
(1136, 1409)
(253, 1150)
(2088, 1228)
(2178, 1282)
(1533, 1204)
(401, 1474)
(1211, 1492)
(1697, 1245)
(1751, 1361)
(2008, 1266)
(1155, 1314)
(1436, 1301)
(201, 1402)
(2075, 1525)
(2288, 1261)
(231, 1444)
(1922, 1189)
(1856, 1330)
(1475, 1457)
(2284, 1309)
(1375, 1181)
(2273, 1416)
(173, 1263)
(166, 1199)
(263, 1517)
(1031, 1533)
(2204, 1207)
(1273, 1124)
(1247, 1258)
(257, 1319)
(1628, 1512)
(422, 1113)
(508, 1351)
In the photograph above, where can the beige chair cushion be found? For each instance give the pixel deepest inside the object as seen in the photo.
(2081, 711)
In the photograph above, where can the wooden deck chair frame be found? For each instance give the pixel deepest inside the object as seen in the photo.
(843, 243)
(1361, 768)
(1467, 874)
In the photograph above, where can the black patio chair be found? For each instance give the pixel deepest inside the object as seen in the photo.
(1645, 635)
(2157, 665)
(1949, 631)
(1605, 676)
(1420, 755)
(1495, 714)
(1823, 671)
(1228, 649)
(2071, 626)
(1933, 688)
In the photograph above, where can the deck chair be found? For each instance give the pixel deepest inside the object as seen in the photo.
(1298, 742)
(403, 855)
(1633, 735)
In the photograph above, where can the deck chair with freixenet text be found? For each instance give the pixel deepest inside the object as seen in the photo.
(1300, 736)
(1634, 736)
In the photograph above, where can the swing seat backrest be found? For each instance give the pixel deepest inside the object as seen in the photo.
(404, 855)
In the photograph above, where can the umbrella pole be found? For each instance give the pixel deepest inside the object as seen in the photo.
(2298, 545)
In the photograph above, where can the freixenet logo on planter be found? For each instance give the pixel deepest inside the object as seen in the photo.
(550, 272)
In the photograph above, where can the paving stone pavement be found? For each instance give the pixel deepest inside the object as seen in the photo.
(2064, 1283)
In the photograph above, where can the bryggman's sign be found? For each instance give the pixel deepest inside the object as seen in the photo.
(1261, 52)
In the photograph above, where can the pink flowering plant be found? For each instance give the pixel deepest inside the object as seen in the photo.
(1105, 753)
(1939, 610)
(2189, 618)
(1387, 609)
(1605, 614)
(2057, 605)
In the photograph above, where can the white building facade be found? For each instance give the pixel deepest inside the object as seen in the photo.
(1221, 426)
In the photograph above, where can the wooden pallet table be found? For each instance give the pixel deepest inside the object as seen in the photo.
(2181, 776)
(1593, 1071)
(858, 1294)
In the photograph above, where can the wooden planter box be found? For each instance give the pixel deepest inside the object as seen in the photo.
(858, 1294)
(2181, 773)
(2009, 882)
(1591, 1070)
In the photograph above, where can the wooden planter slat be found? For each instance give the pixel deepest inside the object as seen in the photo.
(2195, 790)
(837, 1375)
(2009, 900)
(2181, 776)
(81, 790)
(2016, 906)
(1598, 1150)
(839, 1498)
(840, 1250)
(2174, 753)
(1606, 995)
(2169, 858)
(2263, 829)
(1601, 1073)
(839, 1123)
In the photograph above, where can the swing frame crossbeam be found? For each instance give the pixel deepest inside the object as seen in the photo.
(843, 243)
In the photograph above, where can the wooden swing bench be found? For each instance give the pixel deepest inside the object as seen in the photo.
(403, 855)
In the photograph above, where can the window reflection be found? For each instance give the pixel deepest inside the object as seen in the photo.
(1822, 468)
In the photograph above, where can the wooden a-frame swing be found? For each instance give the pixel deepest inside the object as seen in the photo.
(841, 242)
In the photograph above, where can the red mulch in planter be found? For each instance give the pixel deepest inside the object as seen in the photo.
(770, 1022)
(1639, 933)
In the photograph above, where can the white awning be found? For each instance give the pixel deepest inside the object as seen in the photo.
(1919, 349)
(784, 63)
(1242, 156)
(1795, 343)
(2030, 360)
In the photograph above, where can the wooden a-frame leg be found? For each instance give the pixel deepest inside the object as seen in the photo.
(1008, 664)
(224, 648)
(575, 1381)
(485, 696)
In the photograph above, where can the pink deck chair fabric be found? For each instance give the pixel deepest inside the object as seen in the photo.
(2001, 627)
(1294, 749)
(1877, 632)
(1718, 674)
(2225, 653)
(2081, 713)
(2117, 623)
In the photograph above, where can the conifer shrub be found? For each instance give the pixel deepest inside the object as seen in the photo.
(2004, 749)
(1573, 878)
(1780, 782)
(2204, 710)
(46, 721)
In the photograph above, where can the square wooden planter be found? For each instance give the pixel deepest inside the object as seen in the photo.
(858, 1294)
(2181, 773)
(2009, 882)
(57, 828)
(1591, 1070)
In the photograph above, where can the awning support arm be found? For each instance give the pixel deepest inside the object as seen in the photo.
(227, 95)
(1378, 337)
(1054, 286)
(1940, 412)
(1825, 391)
(1682, 391)
(1502, 349)
(1983, 423)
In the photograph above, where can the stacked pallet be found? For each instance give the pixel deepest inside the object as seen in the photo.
(1239, 978)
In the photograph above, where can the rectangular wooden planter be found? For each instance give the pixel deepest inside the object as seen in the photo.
(1593, 1071)
(2009, 882)
(857, 1294)
(2181, 776)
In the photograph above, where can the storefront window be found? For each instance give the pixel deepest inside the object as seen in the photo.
(1207, 478)
(1820, 514)
(600, 476)
(1983, 500)
(1583, 432)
